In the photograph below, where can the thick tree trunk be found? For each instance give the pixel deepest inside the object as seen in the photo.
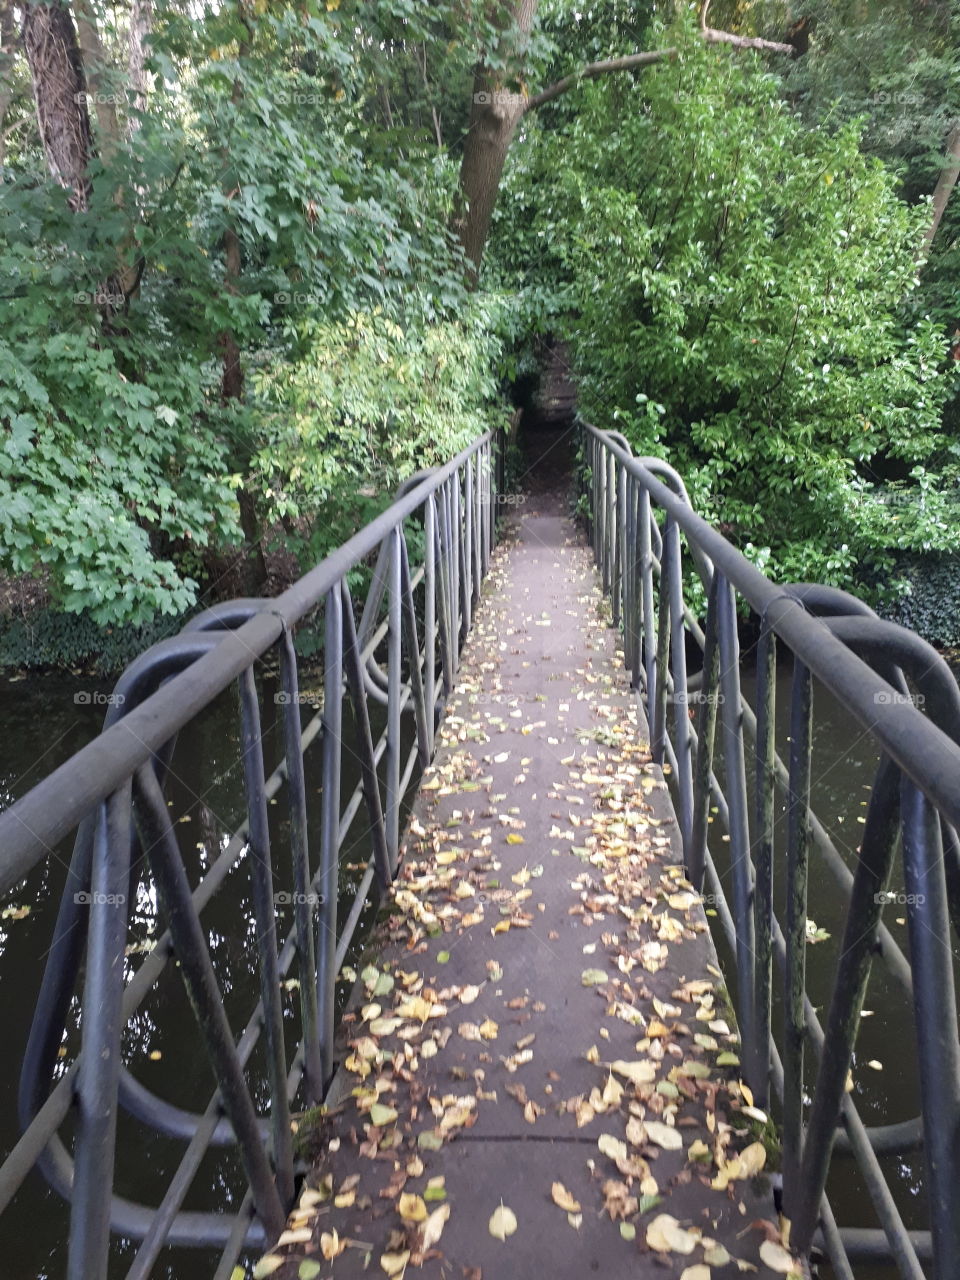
(945, 184)
(141, 21)
(495, 113)
(59, 90)
(493, 122)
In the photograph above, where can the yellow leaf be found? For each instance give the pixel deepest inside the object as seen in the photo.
(395, 1264)
(563, 1199)
(412, 1208)
(514, 838)
(638, 1072)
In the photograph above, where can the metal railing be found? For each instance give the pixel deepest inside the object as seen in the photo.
(651, 548)
(401, 658)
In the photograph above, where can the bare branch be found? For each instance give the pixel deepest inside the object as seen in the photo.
(594, 69)
(634, 60)
(745, 42)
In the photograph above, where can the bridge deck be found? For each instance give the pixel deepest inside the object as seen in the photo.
(542, 1016)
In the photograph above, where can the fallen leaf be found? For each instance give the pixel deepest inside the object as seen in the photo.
(268, 1264)
(664, 1135)
(775, 1257)
(395, 1264)
(412, 1208)
(381, 1115)
(699, 1272)
(503, 1223)
(638, 1072)
(667, 1236)
(563, 1199)
(433, 1227)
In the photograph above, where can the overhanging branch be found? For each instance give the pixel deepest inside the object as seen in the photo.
(633, 60)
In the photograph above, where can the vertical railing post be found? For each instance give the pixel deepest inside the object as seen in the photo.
(673, 567)
(394, 692)
(300, 857)
(430, 619)
(763, 858)
(795, 932)
(102, 1029)
(332, 728)
(264, 909)
(934, 1003)
(644, 518)
(706, 732)
(731, 719)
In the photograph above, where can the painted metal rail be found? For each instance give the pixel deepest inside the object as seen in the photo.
(431, 550)
(660, 562)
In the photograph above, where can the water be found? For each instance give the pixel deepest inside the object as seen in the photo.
(43, 724)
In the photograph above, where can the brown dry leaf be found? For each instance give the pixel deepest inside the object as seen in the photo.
(617, 1200)
(563, 1199)
(331, 1246)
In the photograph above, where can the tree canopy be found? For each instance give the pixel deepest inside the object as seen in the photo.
(259, 262)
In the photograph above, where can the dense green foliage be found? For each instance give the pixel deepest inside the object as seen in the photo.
(741, 291)
(253, 318)
(361, 356)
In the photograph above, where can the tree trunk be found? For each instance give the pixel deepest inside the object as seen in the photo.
(141, 21)
(945, 184)
(59, 90)
(494, 116)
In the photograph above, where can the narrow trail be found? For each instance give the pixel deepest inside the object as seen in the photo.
(541, 1024)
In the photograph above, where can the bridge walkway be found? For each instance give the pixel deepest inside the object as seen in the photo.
(539, 1047)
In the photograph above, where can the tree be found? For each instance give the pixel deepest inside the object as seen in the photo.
(500, 102)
